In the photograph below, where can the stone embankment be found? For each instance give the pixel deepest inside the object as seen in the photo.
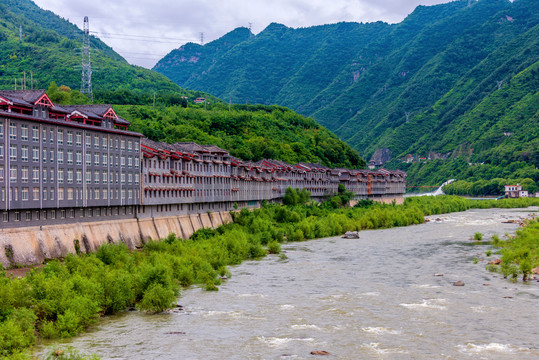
(33, 245)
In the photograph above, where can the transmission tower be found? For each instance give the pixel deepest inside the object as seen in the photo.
(86, 83)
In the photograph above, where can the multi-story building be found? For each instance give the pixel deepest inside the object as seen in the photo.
(80, 163)
(64, 163)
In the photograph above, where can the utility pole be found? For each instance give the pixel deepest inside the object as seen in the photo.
(15, 83)
(20, 32)
(154, 99)
(24, 82)
(86, 81)
(201, 38)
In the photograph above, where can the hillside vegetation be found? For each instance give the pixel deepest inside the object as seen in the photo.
(451, 80)
(250, 132)
(51, 49)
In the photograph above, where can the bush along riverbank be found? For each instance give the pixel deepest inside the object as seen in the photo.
(64, 297)
(519, 253)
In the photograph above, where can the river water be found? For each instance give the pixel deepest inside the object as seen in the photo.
(372, 298)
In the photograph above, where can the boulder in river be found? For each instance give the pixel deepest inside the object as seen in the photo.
(535, 270)
(458, 283)
(319, 352)
(495, 262)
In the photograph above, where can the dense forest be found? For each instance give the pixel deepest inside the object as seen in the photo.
(50, 50)
(456, 80)
(250, 132)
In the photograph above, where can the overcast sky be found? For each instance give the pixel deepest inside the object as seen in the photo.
(144, 31)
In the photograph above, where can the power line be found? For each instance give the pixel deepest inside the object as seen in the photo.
(141, 36)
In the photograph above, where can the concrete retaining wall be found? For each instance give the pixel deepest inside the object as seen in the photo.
(33, 245)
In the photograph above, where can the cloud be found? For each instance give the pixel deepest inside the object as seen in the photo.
(145, 31)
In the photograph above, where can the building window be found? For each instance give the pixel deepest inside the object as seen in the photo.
(60, 176)
(69, 193)
(51, 177)
(96, 141)
(123, 178)
(24, 194)
(60, 137)
(44, 155)
(78, 138)
(105, 192)
(88, 159)
(44, 175)
(105, 157)
(88, 141)
(122, 144)
(88, 176)
(1, 151)
(35, 154)
(24, 152)
(1, 173)
(61, 194)
(5, 216)
(12, 131)
(35, 193)
(51, 136)
(13, 152)
(96, 194)
(69, 137)
(129, 161)
(13, 173)
(123, 161)
(24, 174)
(24, 132)
(70, 176)
(104, 142)
(96, 177)
(51, 156)
(70, 157)
(137, 176)
(130, 194)
(136, 162)
(1, 130)
(53, 214)
(17, 216)
(105, 177)
(129, 145)
(51, 193)
(60, 156)
(28, 216)
(79, 157)
(129, 178)
(96, 159)
(35, 133)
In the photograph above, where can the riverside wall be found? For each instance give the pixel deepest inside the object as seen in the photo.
(33, 245)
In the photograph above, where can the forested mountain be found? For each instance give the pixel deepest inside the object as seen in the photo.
(458, 79)
(250, 132)
(50, 49)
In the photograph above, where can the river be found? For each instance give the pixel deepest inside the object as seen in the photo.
(372, 298)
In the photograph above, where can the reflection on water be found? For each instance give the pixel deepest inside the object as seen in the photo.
(372, 298)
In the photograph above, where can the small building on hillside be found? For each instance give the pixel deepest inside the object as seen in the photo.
(515, 191)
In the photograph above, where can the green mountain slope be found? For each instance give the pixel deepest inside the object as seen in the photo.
(250, 132)
(51, 50)
(426, 85)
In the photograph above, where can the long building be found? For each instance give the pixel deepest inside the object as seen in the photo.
(80, 163)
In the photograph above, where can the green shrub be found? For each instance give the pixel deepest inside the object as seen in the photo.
(157, 298)
(478, 236)
(274, 247)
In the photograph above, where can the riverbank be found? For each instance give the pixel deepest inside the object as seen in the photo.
(63, 298)
(372, 298)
